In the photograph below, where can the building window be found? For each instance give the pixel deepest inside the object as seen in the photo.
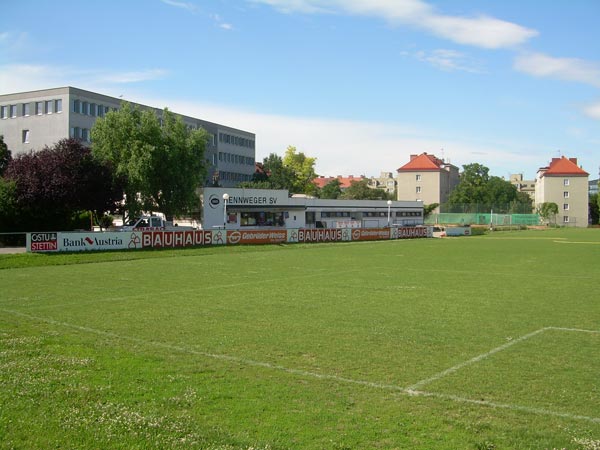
(566, 194)
(25, 137)
(76, 107)
(13, 111)
(49, 105)
(4, 112)
(93, 109)
(418, 177)
(26, 110)
(58, 105)
(565, 219)
(418, 189)
(565, 206)
(85, 135)
(39, 108)
(566, 182)
(214, 159)
(85, 108)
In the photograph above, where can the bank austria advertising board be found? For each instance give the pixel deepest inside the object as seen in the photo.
(138, 240)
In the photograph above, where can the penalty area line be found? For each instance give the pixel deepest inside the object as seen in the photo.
(410, 391)
(442, 374)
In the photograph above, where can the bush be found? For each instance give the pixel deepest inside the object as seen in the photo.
(82, 221)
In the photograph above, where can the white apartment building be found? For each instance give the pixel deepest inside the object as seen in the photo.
(35, 119)
(565, 183)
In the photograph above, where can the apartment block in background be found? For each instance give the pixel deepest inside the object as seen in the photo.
(565, 183)
(427, 178)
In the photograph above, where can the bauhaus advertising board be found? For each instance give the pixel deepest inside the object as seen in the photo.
(136, 240)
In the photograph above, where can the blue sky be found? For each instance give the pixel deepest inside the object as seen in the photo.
(359, 84)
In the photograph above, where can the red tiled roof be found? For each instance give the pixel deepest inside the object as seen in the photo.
(565, 166)
(422, 162)
(345, 182)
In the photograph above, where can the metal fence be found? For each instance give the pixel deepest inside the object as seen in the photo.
(12, 239)
(483, 219)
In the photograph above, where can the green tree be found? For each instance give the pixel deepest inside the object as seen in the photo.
(5, 155)
(360, 190)
(8, 204)
(279, 175)
(548, 211)
(162, 163)
(303, 170)
(478, 191)
(56, 184)
(472, 186)
(428, 209)
(332, 190)
(594, 205)
(274, 175)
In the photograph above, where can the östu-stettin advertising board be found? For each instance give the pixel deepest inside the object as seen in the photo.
(136, 240)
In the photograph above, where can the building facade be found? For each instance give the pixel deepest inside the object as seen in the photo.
(385, 181)
(526, 186)
(265, 208)
(565, 183)
(427, 178)
(35, 119)
(345, 182)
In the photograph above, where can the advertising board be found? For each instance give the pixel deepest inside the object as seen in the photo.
(132, 240)
(42, 242)
(256, 237)
(175, 239)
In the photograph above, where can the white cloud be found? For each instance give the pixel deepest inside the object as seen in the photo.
(347, 147)
(131, 77)
(13, 42)
(569, 69)
(342, 147)
(291, 6)
(24, 77)
(190, 7)
(448, 60)
(480, 31)
(593, 111)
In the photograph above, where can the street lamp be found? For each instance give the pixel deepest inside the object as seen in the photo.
(225, 198)
(389, 203)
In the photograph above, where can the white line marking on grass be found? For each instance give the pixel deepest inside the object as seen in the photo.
(577, 242)
(528, 409)
(579, 330)
(478, 358)
(406, 391)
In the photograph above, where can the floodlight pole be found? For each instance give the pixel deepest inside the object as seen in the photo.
(389, 203)
(225, 198)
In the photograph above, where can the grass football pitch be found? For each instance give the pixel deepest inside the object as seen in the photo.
(486, 342)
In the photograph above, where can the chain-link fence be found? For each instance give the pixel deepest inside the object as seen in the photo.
(484, 214)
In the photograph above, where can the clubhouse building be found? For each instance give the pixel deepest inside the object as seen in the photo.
(263, 208)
